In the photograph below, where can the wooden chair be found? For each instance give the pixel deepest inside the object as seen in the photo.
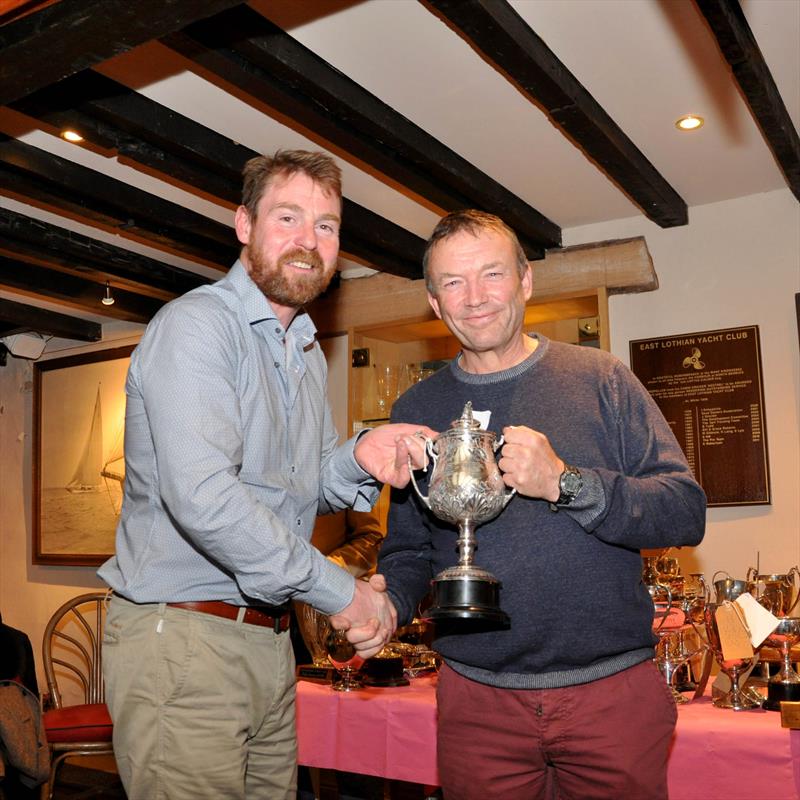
(71, 651)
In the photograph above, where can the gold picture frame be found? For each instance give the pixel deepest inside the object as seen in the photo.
(78, 464)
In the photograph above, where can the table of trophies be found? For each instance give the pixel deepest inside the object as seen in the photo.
(717, 754)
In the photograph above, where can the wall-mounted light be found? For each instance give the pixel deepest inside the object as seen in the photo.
(690, 122)
(108, 300)
(71, 136)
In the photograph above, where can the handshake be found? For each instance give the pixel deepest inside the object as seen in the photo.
(370, 619)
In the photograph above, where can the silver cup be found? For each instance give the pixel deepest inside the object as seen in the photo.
(728, 588)
(777, 593)
(785, 686)
(465, 489)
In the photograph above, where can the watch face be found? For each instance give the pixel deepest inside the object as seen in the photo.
(571, 483)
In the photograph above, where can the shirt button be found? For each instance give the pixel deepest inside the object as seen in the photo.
(278, 331)
(292, 468)
(299, 522)
(277, 364)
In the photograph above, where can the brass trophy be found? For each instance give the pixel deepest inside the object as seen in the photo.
(465, 489)
(315, 629)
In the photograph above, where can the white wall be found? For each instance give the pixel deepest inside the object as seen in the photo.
(736, 263)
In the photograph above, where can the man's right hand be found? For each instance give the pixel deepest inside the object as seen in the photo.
(370, 619)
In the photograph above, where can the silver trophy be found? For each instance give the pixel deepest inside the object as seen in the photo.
(785, 686)
(465, 489)
(737, 697)
(777, 593)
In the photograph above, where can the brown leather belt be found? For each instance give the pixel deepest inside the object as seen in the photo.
(253, 615)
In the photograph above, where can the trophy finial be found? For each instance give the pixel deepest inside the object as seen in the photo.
(466, 422)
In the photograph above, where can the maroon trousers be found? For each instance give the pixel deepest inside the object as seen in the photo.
(605, 740)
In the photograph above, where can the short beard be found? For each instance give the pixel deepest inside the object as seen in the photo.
(276, 284)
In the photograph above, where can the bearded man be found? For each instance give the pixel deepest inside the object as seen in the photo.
(230, 455)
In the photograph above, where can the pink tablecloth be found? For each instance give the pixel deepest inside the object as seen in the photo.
(386, 732)
(717, 754)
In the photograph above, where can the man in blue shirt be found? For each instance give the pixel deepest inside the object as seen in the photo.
(230, 455)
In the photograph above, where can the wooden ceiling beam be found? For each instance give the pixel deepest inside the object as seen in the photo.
(64, 38)
(75, 292)
(81, 255)
(740, 49)
(112, 116)
(22, 318)
(261, 60)
(47, 179)
(504, 39)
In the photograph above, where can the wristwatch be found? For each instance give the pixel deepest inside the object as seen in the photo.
(570, 483)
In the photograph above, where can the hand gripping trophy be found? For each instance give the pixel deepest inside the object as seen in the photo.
(465, 489)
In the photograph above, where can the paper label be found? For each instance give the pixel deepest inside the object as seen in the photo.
(482, 417)
(734, 637)
(760, 622)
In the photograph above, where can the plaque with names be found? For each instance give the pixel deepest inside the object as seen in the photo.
(709, 387)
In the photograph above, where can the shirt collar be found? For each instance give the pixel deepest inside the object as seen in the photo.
(257, 307)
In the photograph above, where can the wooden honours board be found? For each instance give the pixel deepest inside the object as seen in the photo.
(708, 385)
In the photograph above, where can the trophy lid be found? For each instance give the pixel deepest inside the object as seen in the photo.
(466, 422)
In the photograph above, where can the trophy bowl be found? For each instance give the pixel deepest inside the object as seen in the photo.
(346, 661)
(777, 593)
(465, 489)
(314, 629)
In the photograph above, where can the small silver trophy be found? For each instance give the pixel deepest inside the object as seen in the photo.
(465, 489)
(785, 686)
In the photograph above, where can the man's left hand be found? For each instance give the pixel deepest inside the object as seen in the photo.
(529, 464)
(384, 452)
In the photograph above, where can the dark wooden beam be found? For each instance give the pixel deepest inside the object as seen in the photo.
(66, 37)
(115, 117)
(504, 39)
(75, 292)
(740, 49)
(22, 318)
(81, 255)
(147, 133)
(261, 60)
(46, 179)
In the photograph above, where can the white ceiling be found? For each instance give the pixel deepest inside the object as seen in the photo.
(647, 62)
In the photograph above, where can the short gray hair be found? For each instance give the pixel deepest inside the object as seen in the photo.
(472, 221)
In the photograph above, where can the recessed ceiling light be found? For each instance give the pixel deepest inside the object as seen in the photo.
(691, 122)
(71, 136)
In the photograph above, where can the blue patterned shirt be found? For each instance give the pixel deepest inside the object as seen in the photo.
(230, 454)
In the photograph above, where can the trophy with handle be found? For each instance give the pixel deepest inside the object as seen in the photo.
(465, 489)
(785, 686)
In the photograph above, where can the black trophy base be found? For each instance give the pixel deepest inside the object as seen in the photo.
(466, 598)
(781, 692)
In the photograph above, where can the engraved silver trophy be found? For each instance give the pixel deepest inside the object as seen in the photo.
(465, 489)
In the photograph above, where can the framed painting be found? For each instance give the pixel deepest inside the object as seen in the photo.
(78, 459)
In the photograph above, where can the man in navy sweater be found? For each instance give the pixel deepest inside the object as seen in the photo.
(566, 698)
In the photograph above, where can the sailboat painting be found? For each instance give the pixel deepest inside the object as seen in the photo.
(79, 465)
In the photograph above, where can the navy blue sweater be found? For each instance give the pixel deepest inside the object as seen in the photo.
(571, 580)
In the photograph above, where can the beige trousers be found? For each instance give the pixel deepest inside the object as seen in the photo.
(203, 707)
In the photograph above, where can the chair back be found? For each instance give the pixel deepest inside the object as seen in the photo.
(72, 647)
